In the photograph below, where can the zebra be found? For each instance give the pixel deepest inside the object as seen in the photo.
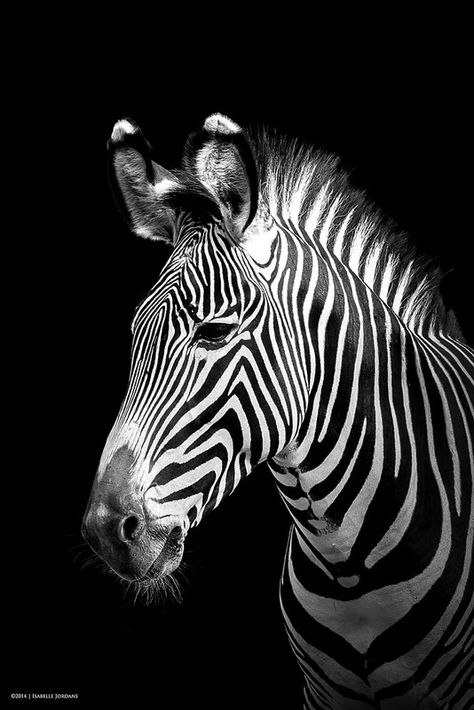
(297, 325)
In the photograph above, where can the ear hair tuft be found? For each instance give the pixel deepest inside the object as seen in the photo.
(218, 123)
(124, 127)
(149, 196)
(221, 158)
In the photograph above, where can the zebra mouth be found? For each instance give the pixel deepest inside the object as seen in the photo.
(158, 583)
(169, 558)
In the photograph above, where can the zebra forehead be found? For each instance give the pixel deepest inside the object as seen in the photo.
(188, 289)
(202, 257)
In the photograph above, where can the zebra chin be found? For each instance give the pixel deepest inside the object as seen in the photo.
(157, 584)
(153, 567)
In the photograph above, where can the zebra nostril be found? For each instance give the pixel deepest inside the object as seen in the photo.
(128, 528)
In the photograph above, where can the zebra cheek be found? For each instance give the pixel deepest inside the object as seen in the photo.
(200, 355)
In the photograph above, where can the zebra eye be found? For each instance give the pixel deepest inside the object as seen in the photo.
(214, 332)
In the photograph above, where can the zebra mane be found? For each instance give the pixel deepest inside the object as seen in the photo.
(309, 187)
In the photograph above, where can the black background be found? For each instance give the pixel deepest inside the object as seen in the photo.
(395, 110)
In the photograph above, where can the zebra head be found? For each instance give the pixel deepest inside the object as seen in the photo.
(207, 398)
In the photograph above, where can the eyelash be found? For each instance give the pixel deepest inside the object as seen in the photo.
(213, 332)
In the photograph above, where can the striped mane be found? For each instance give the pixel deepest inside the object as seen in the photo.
(308, 187)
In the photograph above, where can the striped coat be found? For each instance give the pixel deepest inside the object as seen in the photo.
(294, 324)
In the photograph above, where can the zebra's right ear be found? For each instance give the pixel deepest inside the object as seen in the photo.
(221, 157)
(142, 189)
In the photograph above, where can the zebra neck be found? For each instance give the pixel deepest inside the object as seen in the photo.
(327, 475)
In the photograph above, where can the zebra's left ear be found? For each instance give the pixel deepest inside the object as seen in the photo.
(220, 156)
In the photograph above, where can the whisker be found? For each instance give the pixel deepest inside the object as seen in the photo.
(148, 590)
(90, 562)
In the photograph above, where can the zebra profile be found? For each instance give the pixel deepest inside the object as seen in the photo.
(294, 324)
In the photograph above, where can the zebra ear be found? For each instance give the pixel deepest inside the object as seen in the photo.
(142, 189)
(220, 156)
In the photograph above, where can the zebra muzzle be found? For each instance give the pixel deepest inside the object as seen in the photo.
(134, 545)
